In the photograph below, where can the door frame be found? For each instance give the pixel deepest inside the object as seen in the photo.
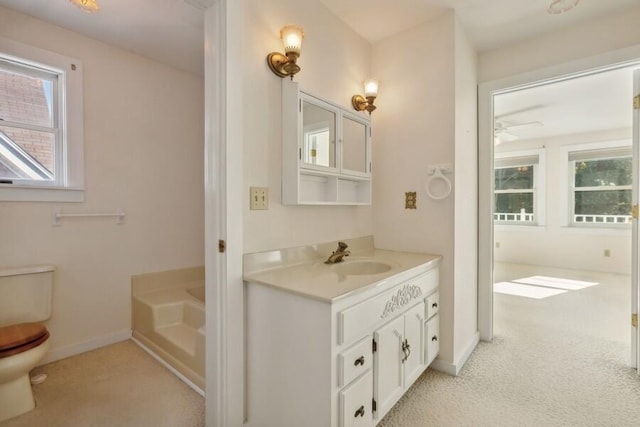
(223, 189)
(486, 91)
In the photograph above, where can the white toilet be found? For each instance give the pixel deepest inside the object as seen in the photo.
(25, 300)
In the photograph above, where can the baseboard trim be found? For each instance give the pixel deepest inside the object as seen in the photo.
(454, 368)
(92, 344)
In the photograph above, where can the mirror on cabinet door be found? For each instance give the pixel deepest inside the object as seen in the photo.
(318, 136)
(354, 150)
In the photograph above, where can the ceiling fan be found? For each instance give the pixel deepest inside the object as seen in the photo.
(502, 131)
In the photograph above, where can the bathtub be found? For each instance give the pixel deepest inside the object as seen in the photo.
(168, 319)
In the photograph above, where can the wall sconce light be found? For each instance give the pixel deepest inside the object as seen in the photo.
(285, 65)
(87, 5)
(361, 103)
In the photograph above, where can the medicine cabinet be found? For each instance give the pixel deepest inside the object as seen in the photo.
(326, 151)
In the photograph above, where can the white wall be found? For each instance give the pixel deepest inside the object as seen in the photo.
(466, 195)
(426, 109)
(597, 36)
(555, 244)
(143, 144)
(334, 61)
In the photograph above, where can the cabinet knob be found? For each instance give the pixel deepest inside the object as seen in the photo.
(435, 338)
(434, 305)
(359, 412)
(359, 361)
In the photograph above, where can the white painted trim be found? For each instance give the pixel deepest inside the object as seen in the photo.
(224, 188)
(486, 90)
(173, 370)
(455, 368)
(84, 346)
(26, 193)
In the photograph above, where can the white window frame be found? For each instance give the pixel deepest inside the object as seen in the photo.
(538, 189)
(592, 149)
(68, 185)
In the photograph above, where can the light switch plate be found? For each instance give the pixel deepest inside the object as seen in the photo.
(259, 198)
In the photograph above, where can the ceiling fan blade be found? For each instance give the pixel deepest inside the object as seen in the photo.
(522, 125)
(506, 136)
(521, 110)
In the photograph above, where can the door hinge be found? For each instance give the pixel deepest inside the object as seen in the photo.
(375, 346)
(374, 405)
(636, 102)
(222, 246)
(634, 320)
(634, 212)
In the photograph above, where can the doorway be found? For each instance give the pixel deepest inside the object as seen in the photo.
(542, 212)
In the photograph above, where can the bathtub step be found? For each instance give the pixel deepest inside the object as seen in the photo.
(180, 335)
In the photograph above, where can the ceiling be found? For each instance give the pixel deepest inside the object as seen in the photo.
(171, 31)
(592, 103)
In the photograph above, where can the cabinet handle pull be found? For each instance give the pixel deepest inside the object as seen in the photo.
(434, 305)
(406, 349)
(435, 338)
(359, 412)
(359, 361)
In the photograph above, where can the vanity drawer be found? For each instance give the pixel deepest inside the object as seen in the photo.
(355, 361)
(433, 304)
(356, 321)
(355, 403)
(432, 339)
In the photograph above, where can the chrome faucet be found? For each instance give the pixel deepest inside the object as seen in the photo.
(337, 255)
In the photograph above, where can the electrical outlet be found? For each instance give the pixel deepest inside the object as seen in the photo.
(259, 198)
(607, 253)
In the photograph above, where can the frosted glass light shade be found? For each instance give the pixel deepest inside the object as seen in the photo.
(292, 36)
(87, 5)
(371, 88)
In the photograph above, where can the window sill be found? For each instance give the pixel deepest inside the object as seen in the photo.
(16, 193)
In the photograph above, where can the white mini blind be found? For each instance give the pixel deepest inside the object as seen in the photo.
(510, 162)
(608, 153)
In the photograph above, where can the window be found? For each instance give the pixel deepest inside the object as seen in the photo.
(601, 186)
(517, 178)
(40, 125)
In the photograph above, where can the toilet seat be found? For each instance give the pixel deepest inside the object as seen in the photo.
(15, 339)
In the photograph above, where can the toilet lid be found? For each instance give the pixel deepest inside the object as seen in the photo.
(21, 337)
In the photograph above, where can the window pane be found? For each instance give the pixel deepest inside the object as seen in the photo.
(29, 154)
(514, 203)
(606, 172)
(516, 178)
(25, 99)
(606, 202)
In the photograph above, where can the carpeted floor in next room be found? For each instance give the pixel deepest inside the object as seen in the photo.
(555, 361)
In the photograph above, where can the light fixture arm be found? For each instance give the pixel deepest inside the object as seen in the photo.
(283, 66)
(360, 103)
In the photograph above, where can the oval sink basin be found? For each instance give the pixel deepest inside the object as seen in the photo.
(352, 268)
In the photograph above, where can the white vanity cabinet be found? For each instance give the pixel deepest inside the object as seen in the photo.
(342, 362)
(326, 151)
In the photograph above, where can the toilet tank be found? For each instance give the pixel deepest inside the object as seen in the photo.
(25, 294)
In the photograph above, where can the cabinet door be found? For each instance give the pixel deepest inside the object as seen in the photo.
(318, 135)
(355, 146)
(355, 403)
(387, 361)
(414, 344)
(432, 338)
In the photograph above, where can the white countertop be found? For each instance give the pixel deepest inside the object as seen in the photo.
(317, 280)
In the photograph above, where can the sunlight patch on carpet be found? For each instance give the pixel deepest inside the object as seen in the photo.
(518, 289)
(556, 282)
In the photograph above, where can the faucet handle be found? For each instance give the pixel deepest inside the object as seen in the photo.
(342, 246)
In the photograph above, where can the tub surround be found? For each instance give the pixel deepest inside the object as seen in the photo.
(336, 345)
(168, 317)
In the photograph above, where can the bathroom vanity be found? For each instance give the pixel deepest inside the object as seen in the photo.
(336, 345)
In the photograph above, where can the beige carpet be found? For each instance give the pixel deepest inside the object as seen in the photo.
(557, 361)
(117, 385)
